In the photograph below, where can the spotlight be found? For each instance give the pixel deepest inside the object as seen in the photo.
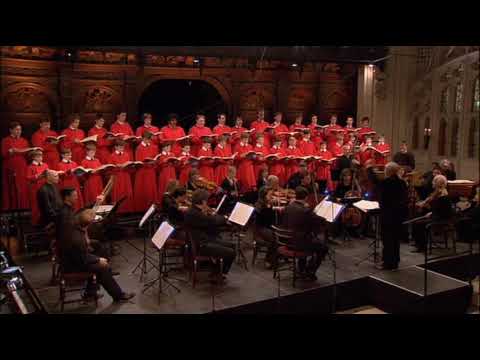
(196, 61)
(371, 65)
(294, 65)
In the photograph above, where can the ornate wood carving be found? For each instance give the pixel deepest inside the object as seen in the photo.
(300, 98)
(98, 99)
(255, 96)
(26, 99)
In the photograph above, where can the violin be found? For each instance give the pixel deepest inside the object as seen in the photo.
(280, 197)
(203, 183)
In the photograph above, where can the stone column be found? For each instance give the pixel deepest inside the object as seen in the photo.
(365, 93)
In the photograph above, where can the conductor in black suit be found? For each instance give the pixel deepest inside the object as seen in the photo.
(393, 200)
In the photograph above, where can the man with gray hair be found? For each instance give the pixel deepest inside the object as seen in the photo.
(49, 199)
(393, 199)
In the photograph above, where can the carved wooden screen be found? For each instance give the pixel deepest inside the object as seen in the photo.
(473, 138)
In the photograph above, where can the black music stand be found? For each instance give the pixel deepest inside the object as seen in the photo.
(237, 232)
(348, 204)
(374, 244)
(109, 221)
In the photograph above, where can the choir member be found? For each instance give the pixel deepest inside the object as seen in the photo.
(36, 173)
(384, 148)
(324, 176)
(73, 137)
(68, 179)
(121, 126)
(222, 150)
(291, 166)
(147, 126)
(93, 185)
(351, 139)
(185, 164)
(14, 170)
(246, 172)
(277, 167)
(259, 126)
(103, 144)
(393, 202)
(405, 158)
(365, 129)
(237, 130)
(173, 132)
(307, 147)
(336, 147)
(221, 128)
(279, 127)
(166, 168)
(259, 163)
(349, 129)
(315, 130)
(145, 185)
(230, 187)
(366, 152)
(197, 131)
(332, 130)
(297, 124)
(122, 186)
(49, 146)
(206, 166)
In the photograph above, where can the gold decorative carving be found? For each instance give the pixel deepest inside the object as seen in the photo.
(26, 100)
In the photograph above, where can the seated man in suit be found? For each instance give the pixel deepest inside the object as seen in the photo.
(171, 207)
(299, 218)
(205, 228)
(75, 257)
(49, 199)
(296, 179)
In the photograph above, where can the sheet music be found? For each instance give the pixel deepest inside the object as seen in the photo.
(163, 233)
(145, 217)
(328, 210)
(366, 205)
(241, 214)
(460, 182)
(102, 209)
(220, 204)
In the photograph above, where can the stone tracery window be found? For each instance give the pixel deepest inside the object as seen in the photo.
(444, 101)
(415, 133)
(473, 137)
(442, 137)
(459, 98)
(476, 96)
(455, 136)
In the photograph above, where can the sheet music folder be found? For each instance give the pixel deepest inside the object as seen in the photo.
(147, 215)
(241, 214)
(162, 234)
(328, 210)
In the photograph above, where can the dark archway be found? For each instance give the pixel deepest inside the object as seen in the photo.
(184, 97)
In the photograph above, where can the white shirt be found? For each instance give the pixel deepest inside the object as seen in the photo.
(144, 144)
(66, 161)
(118, 152)
(35, 162)
(89, 158)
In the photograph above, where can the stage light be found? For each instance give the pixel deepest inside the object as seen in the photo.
(196, 60)
(294, 65)
(371, 65)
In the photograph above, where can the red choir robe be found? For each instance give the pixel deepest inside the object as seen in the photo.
(166, 172)
(280, 129)
(259, 163)
(382, 159)
(221, 169)
(324, 170)
(235, 139)
(122, 185)
(277, 167)
(145, 187)
(292, 166)
(335, 149)
(169, 133)
(346, 135)
(14, 174)
(316, 136)
(197, 132)
(69, 180)
(245, 171)
(103, 145)
(35, 182)
(153, 129)
(205, 167)
(366, 155)
(93, 185)
(296, 127)
(331, 134)
(125, 129)
(361, 133)
(78, 150)
(184, 168)
(222, 129)
(260, 127)
(308, 148)
(50, 150)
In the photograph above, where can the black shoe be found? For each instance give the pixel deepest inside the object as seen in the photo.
(125, 297)
(115, 273)
(91, 296)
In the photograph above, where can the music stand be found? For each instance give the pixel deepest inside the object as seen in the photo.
(240, 216)
(159, 239)
(375, 242)
(348, 201)
(146, 219)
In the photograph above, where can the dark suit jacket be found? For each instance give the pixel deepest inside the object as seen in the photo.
(49, 203)
(75, 255)
(203, 227)
(405, 159)
(170, 208)
(302, 221)
(393, 200)
(64, 225)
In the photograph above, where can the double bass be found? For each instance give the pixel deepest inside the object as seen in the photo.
(351, 216)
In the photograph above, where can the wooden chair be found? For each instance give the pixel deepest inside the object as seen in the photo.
(195, 259)
(74, 282)
(260, 246)
(446, 229)
(286, 249)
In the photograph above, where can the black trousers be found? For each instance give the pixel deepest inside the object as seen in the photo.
(219, 248)
(266, 238)
(392, 234)
(105, 279)
(319, 251)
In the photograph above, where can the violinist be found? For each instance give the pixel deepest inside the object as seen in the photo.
(262, 178)
(427, 182)
(173, 204)
(448, 170)
(193, 180)
(230, 187)
(440, 210)
(346, 185)
(296, 179)
(205, 230)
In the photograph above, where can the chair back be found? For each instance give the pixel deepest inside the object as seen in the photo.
(283, 236)
(192, 243)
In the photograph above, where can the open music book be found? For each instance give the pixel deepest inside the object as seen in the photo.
(55, 139)
(241, 214)
(365, 205)
(147, 215)
(328, 210)
(163, 233)
(25, 150)
(463, 182)
(103, 209)
(89, 139)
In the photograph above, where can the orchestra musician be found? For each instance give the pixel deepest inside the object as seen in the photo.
(197, 131)
(122, 187)
(68, 179)
(49, 199)
(393, 201)
(205, 228)
(121, 126)
(93, 183)
(299, 218)
(193, 180)
(103, 143)
(145, 184)
(231, 188)
(427, 181)
(447, 169)
(222, 150)
(173, 132)
(36, 178)
(441, 211)
(50, 150)
(262, 179)
(173, 202)
(73, 137)
(405, 158)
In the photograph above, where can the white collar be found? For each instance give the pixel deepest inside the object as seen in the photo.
(118, 152)
(72, 128)
(99, 127)
(242, 144)
(147, 126)
(35, 162)
(258, 145)
(204, 148)
(89, 158)
(381, 143)
(323, 150)
(164, 153)
(276, 147)
(292, 147)
(185, 153)
(306, 140)
(220, 146)
(66, 161)
(144, 144)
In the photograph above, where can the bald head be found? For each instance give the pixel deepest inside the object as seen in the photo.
(85, 217)
(272, 181)
(392, 168)
(52, 177)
